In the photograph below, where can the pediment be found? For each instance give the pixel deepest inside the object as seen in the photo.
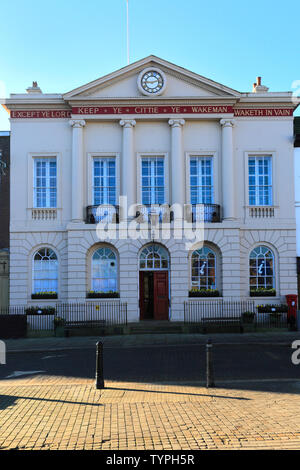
(179, 83)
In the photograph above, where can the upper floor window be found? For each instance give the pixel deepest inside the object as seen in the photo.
(153, 180)
(45, 182)
(260, 180)
(104, 181)
(201, 180)
(45, 271)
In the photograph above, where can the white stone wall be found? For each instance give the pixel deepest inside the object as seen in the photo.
(75, 247)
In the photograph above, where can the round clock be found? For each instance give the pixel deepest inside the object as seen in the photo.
(151, 81)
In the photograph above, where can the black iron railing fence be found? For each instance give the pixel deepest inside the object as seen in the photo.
(197, 311)
(111, 313)
(227, 312)
(107, 312)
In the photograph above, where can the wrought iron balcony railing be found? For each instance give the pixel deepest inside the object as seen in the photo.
(154, 213)
(102, 213)
(208, 213)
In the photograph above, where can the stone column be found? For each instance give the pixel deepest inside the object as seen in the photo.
(128, 164)
(177, 162)
(77, 170)
(228, 183)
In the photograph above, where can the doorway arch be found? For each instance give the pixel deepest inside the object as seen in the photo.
(154, 264)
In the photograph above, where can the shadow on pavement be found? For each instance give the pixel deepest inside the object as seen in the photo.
(262, 367)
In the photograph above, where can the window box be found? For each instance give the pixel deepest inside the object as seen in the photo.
(272, 308)
(40, 310)
(102, 295)
(204, 293)
(44, 295)
(262, 292)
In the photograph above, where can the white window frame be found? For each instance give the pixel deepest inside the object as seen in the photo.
(206, 277)
(47, 187)
(253, 153)
(90, 174)
(117, 267)
(274, 275)
(165, 158)
(256, 177)
(215, 173)
(31, 177)
(42, 247)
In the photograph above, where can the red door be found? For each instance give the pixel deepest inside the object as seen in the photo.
(161, 295)
(154, 295)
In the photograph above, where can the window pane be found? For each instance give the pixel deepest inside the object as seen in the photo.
(201, 180)
(260, 180)
(104, 181)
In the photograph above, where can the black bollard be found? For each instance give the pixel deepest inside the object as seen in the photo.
(209, 365)
(99, 365)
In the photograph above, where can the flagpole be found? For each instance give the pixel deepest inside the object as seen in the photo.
(127, 33)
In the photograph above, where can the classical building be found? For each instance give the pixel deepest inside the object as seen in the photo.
(207, 173)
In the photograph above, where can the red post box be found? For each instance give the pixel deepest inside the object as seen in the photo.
(291, 300)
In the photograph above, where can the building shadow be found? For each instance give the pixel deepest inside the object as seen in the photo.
(263, 367)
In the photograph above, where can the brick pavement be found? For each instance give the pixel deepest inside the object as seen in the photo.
(43, 412)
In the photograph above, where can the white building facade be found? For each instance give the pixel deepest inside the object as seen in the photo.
(163, 137)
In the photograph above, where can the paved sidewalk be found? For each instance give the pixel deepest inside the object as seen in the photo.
(72, 414)
(88, 342)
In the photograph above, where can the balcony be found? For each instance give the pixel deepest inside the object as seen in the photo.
(207, 213)
(154, 213)
(261, 212)
(102, 213)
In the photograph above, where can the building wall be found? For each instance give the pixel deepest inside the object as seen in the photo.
(4, 191)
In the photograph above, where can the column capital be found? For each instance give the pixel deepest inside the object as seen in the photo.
(227, 122)
(176, 122)
(127, 123)
(77, 123)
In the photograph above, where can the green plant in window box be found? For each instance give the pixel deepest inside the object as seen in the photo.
(248, 317)
(262, 292)
(44, 295)
(102, 295)
(272, 308)
(40, 310)
(194, 292)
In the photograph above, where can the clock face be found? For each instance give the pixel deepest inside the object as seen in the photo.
(152, 81)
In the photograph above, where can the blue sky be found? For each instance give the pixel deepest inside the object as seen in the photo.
(63, 44)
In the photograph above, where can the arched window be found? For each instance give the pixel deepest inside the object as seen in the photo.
(204, 269)
(261, 266)
(104, 270)
(45, 271)
(154, 257)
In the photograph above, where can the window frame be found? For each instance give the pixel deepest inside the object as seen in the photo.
(216, 269)
(213, 154)
(32, 157)
(90, 174)
(91, 279)
(274, 274)
(162, 155)
(253, 153)
(34, 253)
